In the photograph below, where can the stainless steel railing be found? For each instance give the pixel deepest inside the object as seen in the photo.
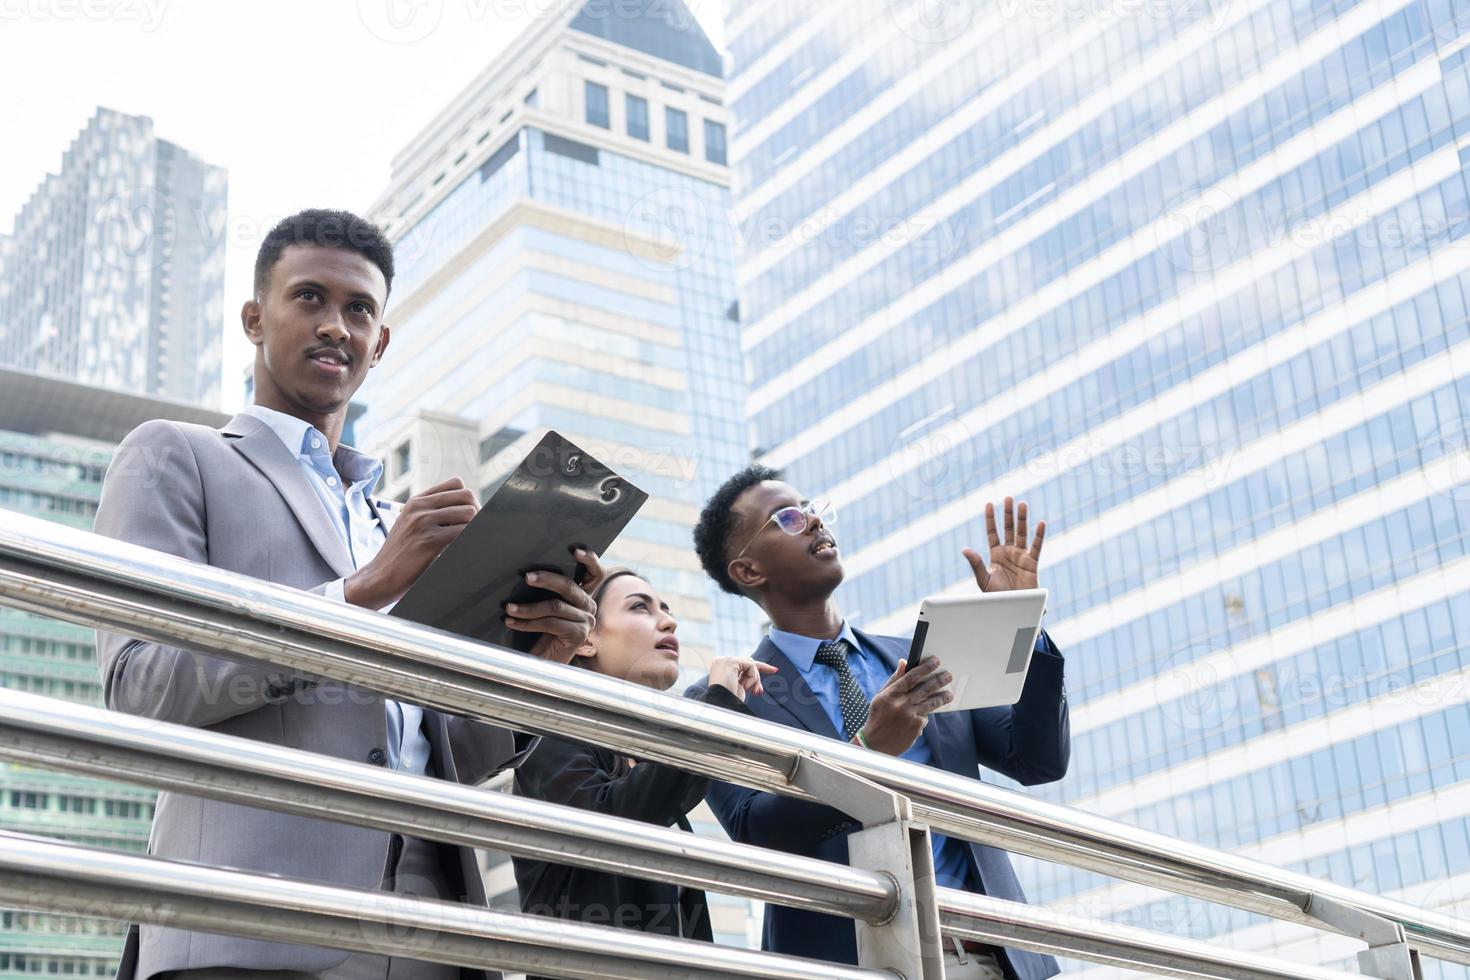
(95, 581)
(54, 734)
(64, 878)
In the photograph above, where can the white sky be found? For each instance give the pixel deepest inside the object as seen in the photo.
(304, 102)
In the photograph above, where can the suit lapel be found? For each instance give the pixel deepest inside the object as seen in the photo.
(890, 649)
(788, 691)
(257, 443)
(441, 757)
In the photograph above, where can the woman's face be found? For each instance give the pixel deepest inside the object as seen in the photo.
(634, 636)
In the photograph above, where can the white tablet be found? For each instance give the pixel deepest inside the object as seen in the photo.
(985, 641)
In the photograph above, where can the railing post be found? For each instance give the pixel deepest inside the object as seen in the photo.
(907, 943)
(1388, 956)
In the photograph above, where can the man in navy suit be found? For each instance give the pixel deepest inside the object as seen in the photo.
(758, 537)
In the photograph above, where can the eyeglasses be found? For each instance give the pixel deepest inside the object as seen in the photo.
(795, 520)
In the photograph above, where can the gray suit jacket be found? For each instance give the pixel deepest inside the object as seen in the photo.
(236, 499)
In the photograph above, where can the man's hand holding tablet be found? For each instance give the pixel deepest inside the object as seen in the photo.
(920, 686)
(899, 712)
(564, 621)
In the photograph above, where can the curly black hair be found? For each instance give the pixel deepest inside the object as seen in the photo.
(717, 520)
(332, 229)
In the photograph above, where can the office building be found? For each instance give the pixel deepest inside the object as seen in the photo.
(565, 261)
(1189, 277)
(113, 271)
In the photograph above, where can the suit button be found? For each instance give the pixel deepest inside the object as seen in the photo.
(378, 757)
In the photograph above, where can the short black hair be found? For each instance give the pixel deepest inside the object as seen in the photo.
(717, 520)
(328, 228)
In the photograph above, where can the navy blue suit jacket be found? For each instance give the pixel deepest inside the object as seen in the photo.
(1030, 742)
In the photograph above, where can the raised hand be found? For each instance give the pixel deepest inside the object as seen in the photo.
(1012, 564)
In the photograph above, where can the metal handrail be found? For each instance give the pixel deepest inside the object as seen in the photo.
(54, 876)
(84, 578)
(69, 879)
(989, 920)
(48, 732)
(54, 734)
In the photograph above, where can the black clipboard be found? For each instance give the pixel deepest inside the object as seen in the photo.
(558, 499)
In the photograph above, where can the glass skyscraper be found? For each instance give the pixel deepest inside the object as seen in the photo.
(56, 439)
(113, 273)
(1191, 277)
(565, 261)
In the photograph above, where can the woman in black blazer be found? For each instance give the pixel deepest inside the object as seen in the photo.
(633, 639)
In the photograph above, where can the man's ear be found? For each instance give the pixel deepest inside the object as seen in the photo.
(250, 320)
(747, 573)
(384, 333)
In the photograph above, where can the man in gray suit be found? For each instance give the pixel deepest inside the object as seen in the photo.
(274, 495)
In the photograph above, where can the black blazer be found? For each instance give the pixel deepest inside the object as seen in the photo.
(594, 778)
(1029, 741)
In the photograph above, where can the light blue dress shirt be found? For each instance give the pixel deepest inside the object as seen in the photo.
(363, 533)
(951, 857)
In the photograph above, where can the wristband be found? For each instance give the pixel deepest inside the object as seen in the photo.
(863, 741)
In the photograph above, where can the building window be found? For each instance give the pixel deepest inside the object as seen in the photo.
(597, 105)
(714, 142)
(532, 99)
(499, 158)
(570, 148)
(677, 122)
(402, 458)
(638, 118)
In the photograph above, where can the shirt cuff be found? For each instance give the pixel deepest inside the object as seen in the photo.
(1043, 642)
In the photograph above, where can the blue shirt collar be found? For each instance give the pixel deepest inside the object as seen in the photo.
(298, 435)
(802, 650)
